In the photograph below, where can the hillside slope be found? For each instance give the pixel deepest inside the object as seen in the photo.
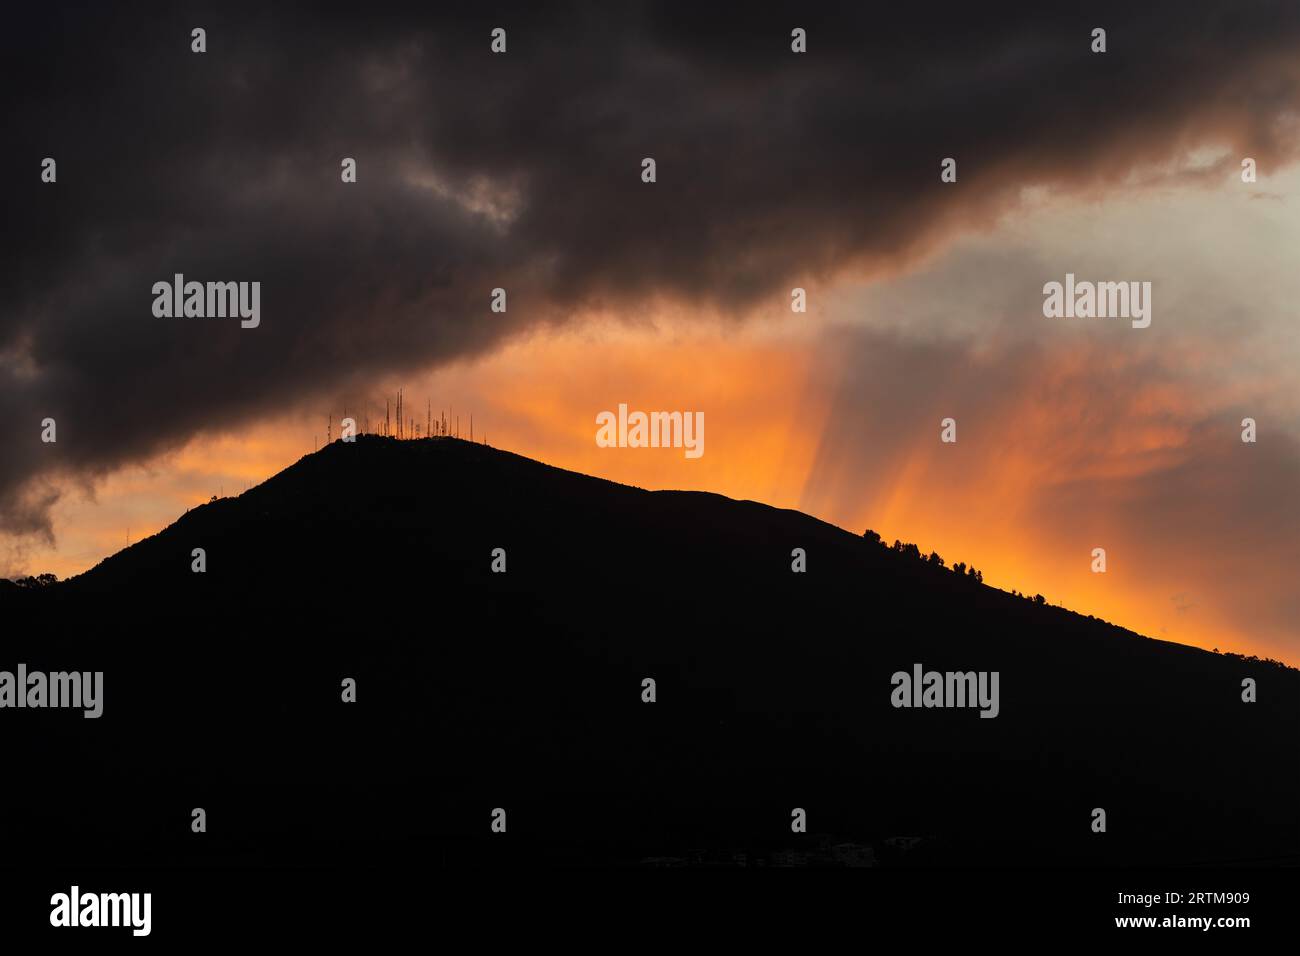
(522, 689)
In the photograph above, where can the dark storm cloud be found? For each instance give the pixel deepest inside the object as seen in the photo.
(522, 171)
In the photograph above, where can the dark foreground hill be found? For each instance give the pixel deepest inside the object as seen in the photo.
(523, 690)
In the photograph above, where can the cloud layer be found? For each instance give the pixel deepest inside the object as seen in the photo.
(523, 171)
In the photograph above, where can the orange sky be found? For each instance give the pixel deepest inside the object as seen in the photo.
(1069, 438)
(766, 413)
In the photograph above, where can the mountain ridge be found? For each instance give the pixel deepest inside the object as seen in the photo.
(480, 688)
(303, 468)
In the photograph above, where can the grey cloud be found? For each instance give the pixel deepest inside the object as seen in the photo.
(225, 166)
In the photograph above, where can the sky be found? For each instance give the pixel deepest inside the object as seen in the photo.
(774, 170)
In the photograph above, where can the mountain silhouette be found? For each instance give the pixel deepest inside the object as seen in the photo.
(476, 690)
